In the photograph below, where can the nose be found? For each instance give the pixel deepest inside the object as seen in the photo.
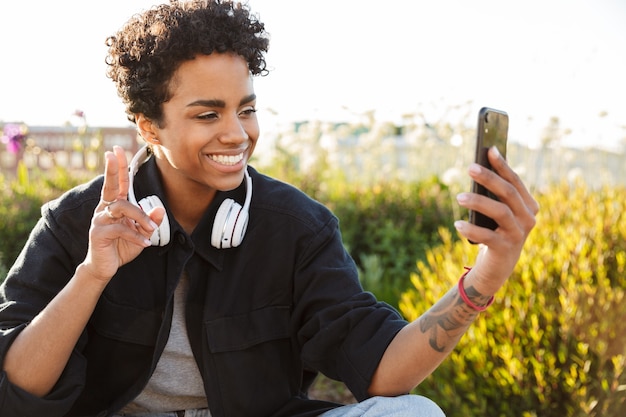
(234, 131)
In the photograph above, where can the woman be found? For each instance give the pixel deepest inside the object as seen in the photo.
(196, 285)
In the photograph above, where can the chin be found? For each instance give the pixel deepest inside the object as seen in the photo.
(230, 183)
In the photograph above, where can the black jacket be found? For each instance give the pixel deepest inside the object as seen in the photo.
(262, 318)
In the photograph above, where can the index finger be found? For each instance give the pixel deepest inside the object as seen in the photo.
(122, 172)
(500, 166)
(110, 187)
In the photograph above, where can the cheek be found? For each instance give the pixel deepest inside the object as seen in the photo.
(251, 148)
(253, 132)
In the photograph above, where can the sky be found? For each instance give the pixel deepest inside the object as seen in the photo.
(334, 60)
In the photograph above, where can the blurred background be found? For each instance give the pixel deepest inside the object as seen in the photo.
(550, 63)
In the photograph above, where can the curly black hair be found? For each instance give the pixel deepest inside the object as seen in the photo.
(146, 52)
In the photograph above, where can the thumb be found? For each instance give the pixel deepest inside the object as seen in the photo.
(157, 215)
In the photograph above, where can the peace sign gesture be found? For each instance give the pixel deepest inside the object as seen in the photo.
(119, 229)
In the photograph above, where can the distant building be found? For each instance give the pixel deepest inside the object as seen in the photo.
(63, 138)
(74, 147)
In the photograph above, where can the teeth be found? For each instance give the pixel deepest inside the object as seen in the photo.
(227, 159)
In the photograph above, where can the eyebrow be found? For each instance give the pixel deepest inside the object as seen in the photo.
(220, 103)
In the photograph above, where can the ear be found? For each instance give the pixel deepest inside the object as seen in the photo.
(147, 129)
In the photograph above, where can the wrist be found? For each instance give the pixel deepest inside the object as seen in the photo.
(471, 296)
(86, 274)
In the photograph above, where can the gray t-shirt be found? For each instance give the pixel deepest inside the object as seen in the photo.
(176, 383)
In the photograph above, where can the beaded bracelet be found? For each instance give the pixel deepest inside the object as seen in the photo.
(466, 298)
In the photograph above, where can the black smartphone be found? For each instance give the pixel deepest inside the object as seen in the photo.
(492, 130)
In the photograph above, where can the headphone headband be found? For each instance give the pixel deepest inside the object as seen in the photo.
(139, 159)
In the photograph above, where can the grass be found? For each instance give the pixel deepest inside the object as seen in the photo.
(329, 390)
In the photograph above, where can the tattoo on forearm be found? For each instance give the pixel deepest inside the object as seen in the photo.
(447, 320)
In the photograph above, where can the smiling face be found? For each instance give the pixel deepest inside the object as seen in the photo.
(209, 127)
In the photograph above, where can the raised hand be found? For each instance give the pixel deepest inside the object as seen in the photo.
(119, 230)
(515, 214)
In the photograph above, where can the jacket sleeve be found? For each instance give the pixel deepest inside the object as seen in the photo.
(17, 402)
(344, 329)
(57, 244)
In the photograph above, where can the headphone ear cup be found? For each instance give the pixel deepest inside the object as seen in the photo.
(161, 236)
(240, 226)
(229, 225)
(220, 236)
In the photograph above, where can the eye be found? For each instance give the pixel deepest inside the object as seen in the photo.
(208, 115)
(247, 112)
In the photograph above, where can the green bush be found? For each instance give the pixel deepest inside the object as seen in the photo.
(3, 269)
(21, 199)
(389, 225)
(554, 343)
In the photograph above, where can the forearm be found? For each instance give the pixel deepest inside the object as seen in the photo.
(39, 354)
(421, 346)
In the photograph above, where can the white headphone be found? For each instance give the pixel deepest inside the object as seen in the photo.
(231, 220)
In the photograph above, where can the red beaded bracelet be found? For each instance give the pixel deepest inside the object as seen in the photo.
(466, 298)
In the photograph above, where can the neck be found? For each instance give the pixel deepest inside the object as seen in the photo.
(188, 206)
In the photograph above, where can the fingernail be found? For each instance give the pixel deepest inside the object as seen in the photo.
(475, 168)
(459, 225)
(154, 225)
(147, 242)
(462, 197)
(497, 151)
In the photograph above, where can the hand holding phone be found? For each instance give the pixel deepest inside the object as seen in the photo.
(492, 131)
